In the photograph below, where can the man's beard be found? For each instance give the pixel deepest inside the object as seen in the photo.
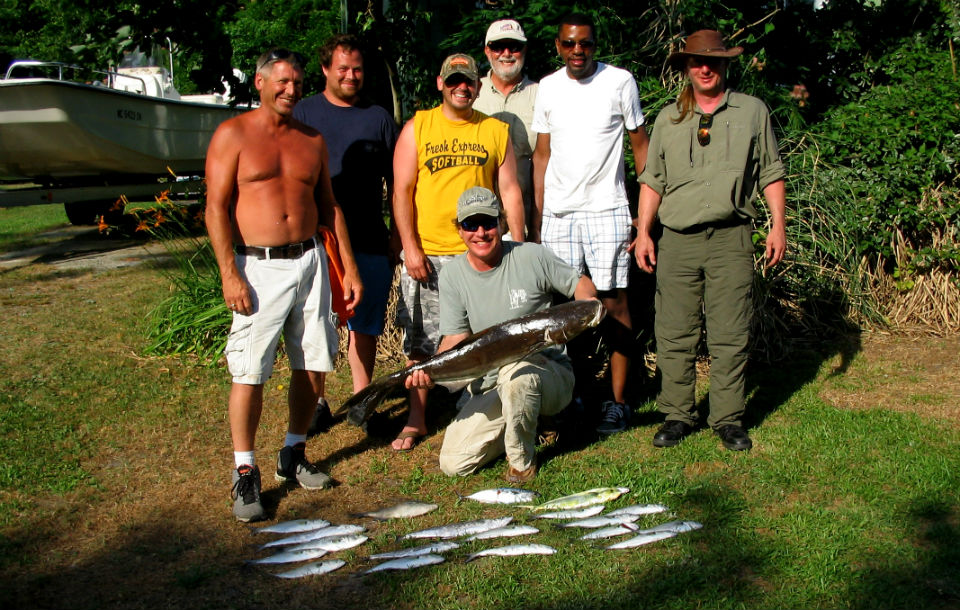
(507, 72)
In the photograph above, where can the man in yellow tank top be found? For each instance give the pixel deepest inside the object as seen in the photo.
(441, 153)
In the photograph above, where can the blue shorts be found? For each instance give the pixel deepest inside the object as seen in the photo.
(376, 274)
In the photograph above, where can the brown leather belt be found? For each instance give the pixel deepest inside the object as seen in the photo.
(288, 251)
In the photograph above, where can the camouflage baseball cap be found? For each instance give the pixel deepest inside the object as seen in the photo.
(459, 64)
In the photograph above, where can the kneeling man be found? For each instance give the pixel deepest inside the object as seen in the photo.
(493, 282)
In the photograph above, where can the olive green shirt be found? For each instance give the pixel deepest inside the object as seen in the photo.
(718, 182)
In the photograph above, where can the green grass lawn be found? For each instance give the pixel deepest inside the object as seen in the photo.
(19, 225)
(114, 488)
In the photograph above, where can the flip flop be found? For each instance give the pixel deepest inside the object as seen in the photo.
(405, 435)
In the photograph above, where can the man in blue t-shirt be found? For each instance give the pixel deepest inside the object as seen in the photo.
(360, 139)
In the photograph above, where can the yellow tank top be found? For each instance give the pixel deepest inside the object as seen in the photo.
(452, 156)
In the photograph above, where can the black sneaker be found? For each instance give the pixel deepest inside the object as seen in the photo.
(615, 418)
(322, 418)
(293, 467)
(246, 494)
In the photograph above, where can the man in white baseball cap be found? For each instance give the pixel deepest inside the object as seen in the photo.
(507, 94)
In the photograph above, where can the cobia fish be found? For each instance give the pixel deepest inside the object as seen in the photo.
(503, 495)
(514, 550)
(404, 510)
(455, 530)
(485, 351)
(582, 499)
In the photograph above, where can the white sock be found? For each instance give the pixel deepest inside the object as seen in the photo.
(243, 457)
(292, 439)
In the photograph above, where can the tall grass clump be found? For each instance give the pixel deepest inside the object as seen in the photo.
(193, 319)
(875, 197)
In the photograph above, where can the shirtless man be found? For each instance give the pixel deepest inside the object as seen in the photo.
(262, 168)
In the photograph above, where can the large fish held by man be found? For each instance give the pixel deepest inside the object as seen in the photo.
(485, 351)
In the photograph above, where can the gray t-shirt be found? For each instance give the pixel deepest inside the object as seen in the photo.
(524, 282)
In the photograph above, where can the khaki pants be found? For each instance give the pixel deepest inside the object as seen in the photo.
(704, 273)
(504, 418)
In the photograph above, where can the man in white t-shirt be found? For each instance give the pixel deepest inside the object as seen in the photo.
(580, 115)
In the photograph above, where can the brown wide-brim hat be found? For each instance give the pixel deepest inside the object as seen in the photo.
(702, 43)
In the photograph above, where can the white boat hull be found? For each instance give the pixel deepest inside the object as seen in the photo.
(60, 131)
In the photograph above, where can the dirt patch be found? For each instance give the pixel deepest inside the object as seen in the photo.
(916, 374)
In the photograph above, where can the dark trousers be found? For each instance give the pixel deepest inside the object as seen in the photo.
(708, 271)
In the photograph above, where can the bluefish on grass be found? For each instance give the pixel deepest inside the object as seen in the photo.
(503, 495)
(406, 563)
(313, 569)
(484, 351)
(599, 495)
(513, 550)
(455, 530)
(426, 549)
(403, 510)
(504, 532)
(291, 527)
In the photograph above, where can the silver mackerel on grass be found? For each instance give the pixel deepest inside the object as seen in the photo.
(325, 532)
(455, 530)
(639, 509)
(336, 543)
(503, 495)
(677, 527)
(504, 532)
(609, 532)
(601, 521)
(641, 539)
(290, 556)
(581, 513)
(434, 547)
(313, 569)
(403, 510)
(292, 527)
(484, 351)
(406, 563)
(514, 550)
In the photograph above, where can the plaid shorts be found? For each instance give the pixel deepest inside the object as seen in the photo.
(418, 311)
(592, 242)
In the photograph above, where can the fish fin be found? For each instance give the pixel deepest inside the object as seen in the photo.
(363, 403)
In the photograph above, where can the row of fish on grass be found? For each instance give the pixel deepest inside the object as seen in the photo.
(309, 539)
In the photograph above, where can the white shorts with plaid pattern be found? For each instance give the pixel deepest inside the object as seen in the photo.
(592, 242)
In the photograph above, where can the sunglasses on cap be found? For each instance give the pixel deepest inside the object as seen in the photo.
(498, 46)
(586, 45)
(703, 132)
(276, 55)
(489, 223)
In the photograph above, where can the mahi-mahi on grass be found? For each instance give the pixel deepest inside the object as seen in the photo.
(590, 497)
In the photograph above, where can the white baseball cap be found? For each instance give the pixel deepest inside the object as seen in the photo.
(503, 29)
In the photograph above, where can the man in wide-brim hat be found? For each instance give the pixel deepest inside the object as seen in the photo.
(709, 158)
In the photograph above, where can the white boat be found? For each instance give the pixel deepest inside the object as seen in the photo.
(131, 122)
(113, 131)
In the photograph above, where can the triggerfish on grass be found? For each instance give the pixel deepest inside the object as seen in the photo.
(485, 351)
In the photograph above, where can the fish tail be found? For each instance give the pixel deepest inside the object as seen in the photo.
(362, 404)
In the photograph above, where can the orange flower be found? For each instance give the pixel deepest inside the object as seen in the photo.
(102, 224)
(158, 218)
(142, 226)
